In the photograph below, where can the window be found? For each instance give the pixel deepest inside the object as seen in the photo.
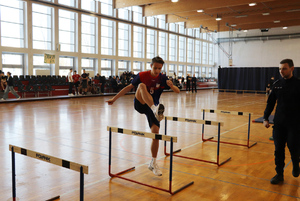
(67, 30)
(172, 47)
(162, 47)
(107, 37)
(190, 50)
(211, 54)
(197, 33)
(138, 42)
(65, 64)
(12, 23)
(180, 70)
(182, 51)
(89, 5)
(107, 7)
(39, 67)
(89, 65)
(148, 66)
(123, 66)
(204, 53)
(124, 13)
(137, 13)
(124, 40)
(67, 2)
(107, 67)
(172, 27)
(151, 21)
(190, 32)
(88, 34)
(172, 70)
(181, 28)
(137, 67)
(203, 72)
(204, 35)
(210, 72)
(189, 70)
(13, 63)
(197, 52)
(42, 27)
(162, 21)
(151, 43)
(197, 71)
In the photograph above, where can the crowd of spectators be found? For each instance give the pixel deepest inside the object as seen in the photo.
(84, 84)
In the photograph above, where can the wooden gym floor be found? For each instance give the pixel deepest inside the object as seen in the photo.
(75, 129)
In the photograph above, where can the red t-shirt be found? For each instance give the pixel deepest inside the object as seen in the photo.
(76, 78)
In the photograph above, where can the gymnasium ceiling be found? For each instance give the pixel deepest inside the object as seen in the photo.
(235, 13)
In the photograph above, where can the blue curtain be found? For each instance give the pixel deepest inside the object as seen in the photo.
(250, 78)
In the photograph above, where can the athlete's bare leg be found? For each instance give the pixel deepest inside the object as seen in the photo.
(155, 143)
(143, 96)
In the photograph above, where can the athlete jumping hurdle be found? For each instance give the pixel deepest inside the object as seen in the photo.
(150, 85)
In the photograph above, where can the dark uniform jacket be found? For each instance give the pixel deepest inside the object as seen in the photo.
(287, 94)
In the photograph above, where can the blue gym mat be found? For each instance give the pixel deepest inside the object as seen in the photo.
(261, 119)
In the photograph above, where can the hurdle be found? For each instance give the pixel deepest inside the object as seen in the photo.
(197, 121)
(146, 135)
(233, 113)
(50, 159)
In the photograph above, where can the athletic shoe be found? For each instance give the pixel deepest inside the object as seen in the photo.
(158, 111)
(19, 98)
(69, 94)
(277, 179)
(155, 169)
(3, 99)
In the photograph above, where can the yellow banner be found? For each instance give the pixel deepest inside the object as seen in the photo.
(49, 59)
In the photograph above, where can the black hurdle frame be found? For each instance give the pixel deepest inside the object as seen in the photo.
(13, 162)
(132, 168)
(197, 159)
(238, 144)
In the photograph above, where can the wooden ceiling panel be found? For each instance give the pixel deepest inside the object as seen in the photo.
(229, 10)
(191, 5)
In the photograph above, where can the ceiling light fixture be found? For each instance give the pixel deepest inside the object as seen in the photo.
(218, 18)
(284, 27)
(239, 16)
(277, 21)
(233, 25)
(292, 10)
(174, 1)
(245, 30)
(266, 14)
(252, 4)
(200, 11)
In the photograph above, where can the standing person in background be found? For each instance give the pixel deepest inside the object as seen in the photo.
(286, 129)
(269, 86)
(188, 82)
(71, 83)
(84, 82)
(10, 87)
(194, 84)
(76, 78)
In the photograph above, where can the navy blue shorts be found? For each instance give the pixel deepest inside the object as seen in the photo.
(145, 109)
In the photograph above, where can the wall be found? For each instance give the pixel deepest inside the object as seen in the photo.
(261, 53)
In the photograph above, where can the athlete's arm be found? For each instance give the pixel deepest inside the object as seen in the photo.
(174, 88)
(121, 93)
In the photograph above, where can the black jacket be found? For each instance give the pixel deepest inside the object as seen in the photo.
(287, 94)
(10, 81)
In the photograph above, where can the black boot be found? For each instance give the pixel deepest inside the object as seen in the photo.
(277, 179)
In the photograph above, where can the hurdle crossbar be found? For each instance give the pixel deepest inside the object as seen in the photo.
(83, 169)
(146, 135)
(198, 121)
(232, 113)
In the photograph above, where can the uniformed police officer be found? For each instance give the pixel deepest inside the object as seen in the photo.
(286, 129)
